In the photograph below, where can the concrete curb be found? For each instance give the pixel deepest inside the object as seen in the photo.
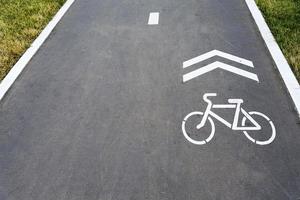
(282, 65)
(16, 70)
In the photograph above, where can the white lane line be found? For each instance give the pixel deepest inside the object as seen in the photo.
(282, 65)
(153, 18)
(216, 53)
(16, 70)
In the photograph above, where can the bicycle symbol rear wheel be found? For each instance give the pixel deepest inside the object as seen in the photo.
(187, 136)
(260, 142)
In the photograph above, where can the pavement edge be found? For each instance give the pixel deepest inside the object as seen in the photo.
(16, 70)
(281, 63)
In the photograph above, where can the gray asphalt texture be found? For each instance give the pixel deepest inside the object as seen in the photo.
(97, 112)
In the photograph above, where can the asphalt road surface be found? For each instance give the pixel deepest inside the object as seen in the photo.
(98, 112)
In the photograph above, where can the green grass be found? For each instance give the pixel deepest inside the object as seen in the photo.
(20, 23)
(283, 18)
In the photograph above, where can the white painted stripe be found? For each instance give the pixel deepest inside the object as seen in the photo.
(283, 67)
(16, 70)
(238, 71)
(199, 72)
(153, 18)
(221, 65)
(216, 53)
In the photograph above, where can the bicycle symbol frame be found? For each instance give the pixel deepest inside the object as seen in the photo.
(233, 104)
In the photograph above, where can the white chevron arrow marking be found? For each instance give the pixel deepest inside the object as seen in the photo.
(221, 65)
(217, 53)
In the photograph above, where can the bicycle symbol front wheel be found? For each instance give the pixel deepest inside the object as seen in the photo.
(187, 135)
(254, 114)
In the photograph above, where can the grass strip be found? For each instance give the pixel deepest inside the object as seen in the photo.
(21, 21)
(283, 18)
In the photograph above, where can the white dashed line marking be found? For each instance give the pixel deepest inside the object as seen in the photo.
(153, 18)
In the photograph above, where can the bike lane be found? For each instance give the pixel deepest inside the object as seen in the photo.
(98, 113)
(244, 170)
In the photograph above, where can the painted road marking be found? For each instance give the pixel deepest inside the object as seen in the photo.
(217, 64)
(239, 111)
(216, 53)
(153, 18)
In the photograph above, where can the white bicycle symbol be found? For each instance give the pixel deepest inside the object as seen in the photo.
(234, 104)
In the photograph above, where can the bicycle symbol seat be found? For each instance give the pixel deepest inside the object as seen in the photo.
(209, 115)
